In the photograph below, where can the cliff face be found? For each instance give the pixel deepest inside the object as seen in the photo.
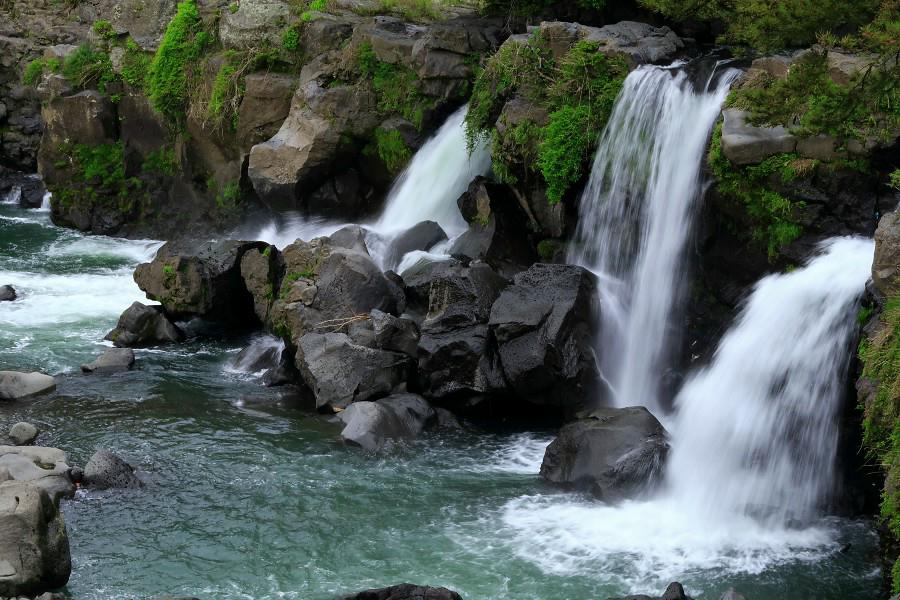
(183, 116)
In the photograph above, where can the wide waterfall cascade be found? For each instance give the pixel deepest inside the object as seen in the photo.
(753, 447)
(756, 431)
(636, 216)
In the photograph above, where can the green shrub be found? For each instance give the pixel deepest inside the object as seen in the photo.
(161, 162)
(181, 46)
(894, 179)
(290, 39)
(98, 177)
(234, 7)
(89, 67)
(135, 65)
(33, 72)
(395, 86)
(774, 217)
(391, 149)
(104, 29)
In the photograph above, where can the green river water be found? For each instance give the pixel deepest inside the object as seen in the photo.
(249, 496)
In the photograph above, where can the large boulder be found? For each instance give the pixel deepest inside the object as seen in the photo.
(405, 591)
(255, 23)
(202, 281)
(22, 433)
(371, 425)
(454, 356)
(421, 236)
(265, 106)
(744, 144)
(106, 470)
(34, 546)
(144, 21)
(142, 325)
(544, 325)
(638, 43)
(15, 385)
(112, 360)
(615, 453)
(340, 372)
(886, 266)
(45, 468)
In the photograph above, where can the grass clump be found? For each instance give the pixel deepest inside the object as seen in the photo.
(36, 69)
(161, 162)
(774, 217)
(135, 65)
(395, 86)
(89, 67)
(391, 148)
(98, 177)
(169, 72)
(576, 92)
(103, 29)
(290, 38)
(880, 358)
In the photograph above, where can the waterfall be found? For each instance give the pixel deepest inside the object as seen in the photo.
(756, 430)
(436, 177)
(636, 216)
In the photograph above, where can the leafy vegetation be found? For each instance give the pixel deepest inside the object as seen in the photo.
(135, 65)
(89, 67)
(290, 39)
(576, 93)
(98, 177)
(103, 29)
(161, 162)
(395, 86)
(181, 46)
(36, 69)
(880, 356)
(774, 216)
(390, 147)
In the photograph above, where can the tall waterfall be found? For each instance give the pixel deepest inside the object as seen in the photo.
(636, 217)
(756, 431)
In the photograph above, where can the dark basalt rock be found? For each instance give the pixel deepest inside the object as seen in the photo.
(404, 591)
(674, 591)
(204, 281)
(372, 425)
(142, 325)
(615, 453)
(7, 293)
(106, 470)
(544, 325)
(421, 236)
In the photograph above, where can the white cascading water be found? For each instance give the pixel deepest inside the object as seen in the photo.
(636, 216)
(427, 190)
(753, 447)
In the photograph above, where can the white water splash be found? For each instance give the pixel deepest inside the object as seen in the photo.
(13, 196)
(753, 442)
(636, 215)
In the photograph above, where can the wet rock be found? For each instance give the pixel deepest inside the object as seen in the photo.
(7, 293)
(732, 594)
(674, 591)
(15, 385)
(142, 325)
(421, 236)
(340, 372)
(34, 546)
(886, 266)
(615, 453)
(112, 360)
(202, 281)
(260, 270)
(371, 425)
(745, 144)
(45, 468)
(106, 470)
(544, 325)
(23, 434)
(454, 355)
(405, 591)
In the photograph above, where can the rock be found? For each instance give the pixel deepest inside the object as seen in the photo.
(112, 361)
(638, 43)
(674, 591)
(260, 270)
(142, 325)
(265, 106)
(42, 467)
(144, 21)
(421, 236)
(745, 144)
(843, 66)
(7, 293)
(732, 594)
(818, 147)
(544, 325)
(203, 281)
(886, 266)
(351, 237)
(370, 425)
(394, 334)
(616, 453)
(776, 66)
(340, 372)
(404, 591)
(15, 385)
(106, 470)
(454, 356)
(23, 434)
(256, 23)
(34, 546)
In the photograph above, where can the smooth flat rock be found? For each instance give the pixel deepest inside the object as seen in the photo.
(23, 433)
(744, 144)
(15, 385)
(111, 361)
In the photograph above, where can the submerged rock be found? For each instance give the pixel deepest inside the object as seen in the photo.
(142, 325)
(615, 453)
(23, 433)
(15, 385)
(7, 293)
(106, 470)
(544, 325)
(404, 591)
(34, 546)
(111, 361)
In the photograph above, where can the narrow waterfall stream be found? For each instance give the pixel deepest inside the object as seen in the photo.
(636, 215)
